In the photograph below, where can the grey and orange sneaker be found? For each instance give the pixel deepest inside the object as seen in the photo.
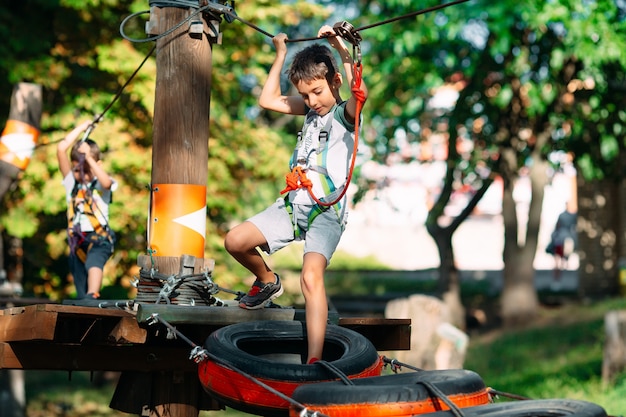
(261, 295)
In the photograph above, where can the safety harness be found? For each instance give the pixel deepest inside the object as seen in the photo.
(83, 204)
(297, 177)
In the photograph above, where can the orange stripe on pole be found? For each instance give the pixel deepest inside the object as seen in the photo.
(177, 220)
(17, 143)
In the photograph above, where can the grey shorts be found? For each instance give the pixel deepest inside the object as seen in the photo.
(276, 225)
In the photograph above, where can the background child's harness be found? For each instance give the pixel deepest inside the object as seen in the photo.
(82, 203)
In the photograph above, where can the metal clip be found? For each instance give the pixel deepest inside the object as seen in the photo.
(347, 31)
(198, 354)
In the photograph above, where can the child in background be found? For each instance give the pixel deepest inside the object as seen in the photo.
(88, 190)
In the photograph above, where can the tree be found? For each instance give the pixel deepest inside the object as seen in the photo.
(521, 62)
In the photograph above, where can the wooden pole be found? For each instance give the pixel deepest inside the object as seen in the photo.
(180, 141)
(179, 174)
(18, 140)
(17, 143)
(177, 221)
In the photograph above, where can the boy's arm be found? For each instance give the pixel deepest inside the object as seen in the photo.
(65, 166)
(348, 65)
(98, 171)
(271, 97)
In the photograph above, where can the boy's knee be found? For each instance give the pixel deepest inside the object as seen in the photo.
(229, 243)
(233, 242)
(312, 280)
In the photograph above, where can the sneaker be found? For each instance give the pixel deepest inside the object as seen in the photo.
(260, 295)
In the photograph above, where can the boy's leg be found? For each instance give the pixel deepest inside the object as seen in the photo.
(242, 242)
(316, 305)
(97, 256)
(94, 281)
(79, 275)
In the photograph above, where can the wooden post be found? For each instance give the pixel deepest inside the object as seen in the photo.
(18, 140)
(614, 360)
(17, 143)
(180, 148)
(177, 221)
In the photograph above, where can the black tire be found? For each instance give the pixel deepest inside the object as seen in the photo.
(403, 394)
(243, 345)
(531, 408)
(247, 347)
(403, 387)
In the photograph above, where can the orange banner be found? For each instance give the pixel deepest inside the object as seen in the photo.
(17, 143)
(177, 224)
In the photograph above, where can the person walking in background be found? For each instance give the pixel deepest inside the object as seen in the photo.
(323, 152)
(88, 190)
(563, 241)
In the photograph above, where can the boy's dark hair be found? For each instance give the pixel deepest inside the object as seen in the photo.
(75, 156)
(314, 62)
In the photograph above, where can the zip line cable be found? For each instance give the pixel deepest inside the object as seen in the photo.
(98, 118)
(231, 15)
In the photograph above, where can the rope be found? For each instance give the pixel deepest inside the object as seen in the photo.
(497, 393)
(119, 92)
(396, 365)
(99, 117)
(336, 371)
(232, 14)
(439, 394)
(412, 14)
(192, 289)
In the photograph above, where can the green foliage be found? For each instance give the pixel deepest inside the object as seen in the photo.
(559, 357)
(75, 51)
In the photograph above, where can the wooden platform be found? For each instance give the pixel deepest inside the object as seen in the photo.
(92, 338)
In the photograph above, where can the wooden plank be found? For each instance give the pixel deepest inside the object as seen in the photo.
(385, 334)
(30, 356)
(91, 311)
(127, 330)
(31, 324)
(210, 315)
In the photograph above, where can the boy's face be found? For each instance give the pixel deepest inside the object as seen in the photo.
(87, 175)
(319, 95)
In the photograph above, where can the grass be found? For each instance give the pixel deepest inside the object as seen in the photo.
(558, 356)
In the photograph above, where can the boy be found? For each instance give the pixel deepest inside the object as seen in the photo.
(323, 152)
(88, 190)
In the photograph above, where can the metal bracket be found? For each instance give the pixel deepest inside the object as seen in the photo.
(347, 31)
(227, 11)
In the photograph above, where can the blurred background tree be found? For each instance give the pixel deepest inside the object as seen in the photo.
(527, 78)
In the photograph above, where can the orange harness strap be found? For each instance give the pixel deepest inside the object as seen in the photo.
(297, 179)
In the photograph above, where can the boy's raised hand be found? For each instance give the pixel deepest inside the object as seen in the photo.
(334, 40)
(280, 43)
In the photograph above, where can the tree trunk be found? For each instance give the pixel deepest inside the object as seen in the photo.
(519, 301)
(601, 242)
(448, 285)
